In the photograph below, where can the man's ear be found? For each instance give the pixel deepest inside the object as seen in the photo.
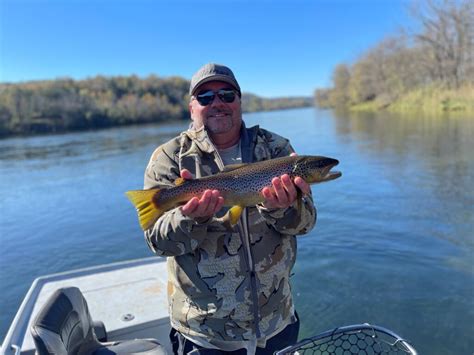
(191, 110)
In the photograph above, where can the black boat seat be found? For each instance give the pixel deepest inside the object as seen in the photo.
(64, 326)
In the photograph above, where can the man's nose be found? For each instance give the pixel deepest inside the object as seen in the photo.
(217, 101)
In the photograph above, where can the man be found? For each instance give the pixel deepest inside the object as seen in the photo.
(228, 287)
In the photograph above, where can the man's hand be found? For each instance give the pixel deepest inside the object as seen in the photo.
(205, 207)
(283, 191)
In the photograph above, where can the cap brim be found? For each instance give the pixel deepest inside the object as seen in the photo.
(222, 78)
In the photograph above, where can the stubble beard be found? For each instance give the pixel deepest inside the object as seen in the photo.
(219, 122)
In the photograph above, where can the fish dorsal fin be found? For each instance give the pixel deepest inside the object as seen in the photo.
(179, 181)
(232, 167)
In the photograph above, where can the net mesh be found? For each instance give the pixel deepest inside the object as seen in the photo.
(361, 339)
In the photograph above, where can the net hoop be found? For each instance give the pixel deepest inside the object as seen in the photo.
(335, 341)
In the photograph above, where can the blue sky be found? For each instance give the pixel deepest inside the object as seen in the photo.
(275, 48)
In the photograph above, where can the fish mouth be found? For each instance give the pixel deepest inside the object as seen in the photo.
(328, 175)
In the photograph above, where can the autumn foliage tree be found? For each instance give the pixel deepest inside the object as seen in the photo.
(64, 104)
(440, 53)
(447, 40)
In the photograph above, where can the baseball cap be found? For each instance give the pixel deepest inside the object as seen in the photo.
(213, 72)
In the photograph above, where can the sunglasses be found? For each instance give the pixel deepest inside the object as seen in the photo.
(207, 97)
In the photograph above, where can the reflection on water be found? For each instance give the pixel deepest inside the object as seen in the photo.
(393, 244)
(430, 158)
(443, 146)
(93, 145)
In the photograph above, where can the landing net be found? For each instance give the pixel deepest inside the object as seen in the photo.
(358, 339)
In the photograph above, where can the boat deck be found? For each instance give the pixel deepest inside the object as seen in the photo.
(129, 297)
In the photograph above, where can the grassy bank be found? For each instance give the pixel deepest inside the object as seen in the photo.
(431, 100)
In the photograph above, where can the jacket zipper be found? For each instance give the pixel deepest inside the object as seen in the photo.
(245, 237)
(242, 227)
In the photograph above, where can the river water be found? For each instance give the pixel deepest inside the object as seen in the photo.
(393, 245)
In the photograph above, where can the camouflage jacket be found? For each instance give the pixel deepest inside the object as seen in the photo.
(226, 284)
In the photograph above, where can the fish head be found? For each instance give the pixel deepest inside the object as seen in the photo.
(315, 169)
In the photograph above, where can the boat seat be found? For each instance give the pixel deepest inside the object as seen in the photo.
(64, 326)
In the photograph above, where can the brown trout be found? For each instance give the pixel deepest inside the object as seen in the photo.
(240, 185)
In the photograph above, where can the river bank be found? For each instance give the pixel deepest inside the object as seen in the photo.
(431, 100)
(67, 105)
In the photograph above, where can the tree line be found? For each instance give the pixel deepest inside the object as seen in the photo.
(63, 105)
(440, 54)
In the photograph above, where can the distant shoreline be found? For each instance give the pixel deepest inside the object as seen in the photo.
(91, 129)
(67, 105)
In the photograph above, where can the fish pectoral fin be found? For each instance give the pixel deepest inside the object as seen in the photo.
(147, 211)
(179, 181)
(233, 215)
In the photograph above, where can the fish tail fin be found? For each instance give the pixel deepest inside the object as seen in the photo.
(147, 210)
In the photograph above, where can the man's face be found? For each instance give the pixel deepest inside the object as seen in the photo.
(218, 117)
